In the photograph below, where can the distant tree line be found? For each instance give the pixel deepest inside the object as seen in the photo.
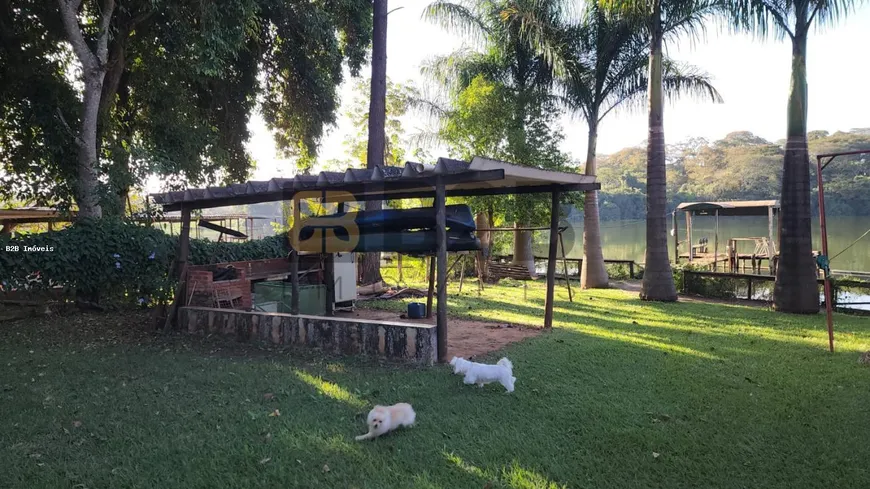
(741, 166)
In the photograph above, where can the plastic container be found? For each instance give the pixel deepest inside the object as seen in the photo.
(312, 298)
(416, 310)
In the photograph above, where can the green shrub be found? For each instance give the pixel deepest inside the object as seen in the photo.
(712, 287)
(117, 261)
(618, 271)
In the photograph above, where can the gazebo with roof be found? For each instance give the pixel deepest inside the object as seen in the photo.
(447, 178)
(742, 208)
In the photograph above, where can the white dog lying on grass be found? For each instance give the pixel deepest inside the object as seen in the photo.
(481, 373)
(384, 419)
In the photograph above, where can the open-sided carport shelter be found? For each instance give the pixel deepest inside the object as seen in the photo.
(447, 178)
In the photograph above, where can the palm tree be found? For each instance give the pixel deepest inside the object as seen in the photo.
(658, 17)
(607, 68)
(506, 57)
(371, 262)
(796, 289)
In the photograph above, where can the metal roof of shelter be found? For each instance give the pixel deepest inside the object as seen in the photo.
(481, 176)
(733, 208)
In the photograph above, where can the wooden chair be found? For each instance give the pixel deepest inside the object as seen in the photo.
(223, 296)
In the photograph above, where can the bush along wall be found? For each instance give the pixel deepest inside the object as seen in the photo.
(113, 260)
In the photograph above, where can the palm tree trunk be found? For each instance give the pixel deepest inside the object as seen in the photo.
(482, 222)
(523, 253)
(593, 274)
(796, 289)
(371, 262)
(658, 278)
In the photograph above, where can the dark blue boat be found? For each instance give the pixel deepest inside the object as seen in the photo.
(458, 218)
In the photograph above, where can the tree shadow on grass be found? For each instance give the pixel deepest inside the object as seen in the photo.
(589, 410)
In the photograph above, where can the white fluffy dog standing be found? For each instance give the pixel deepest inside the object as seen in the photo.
(460, 365)
(384, 419)
(501, 372)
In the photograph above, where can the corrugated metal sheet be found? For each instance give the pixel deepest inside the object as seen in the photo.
(410, 175)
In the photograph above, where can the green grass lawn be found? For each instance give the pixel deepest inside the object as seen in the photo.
(620, 394)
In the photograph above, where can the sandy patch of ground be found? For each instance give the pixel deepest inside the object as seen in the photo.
(465, 338)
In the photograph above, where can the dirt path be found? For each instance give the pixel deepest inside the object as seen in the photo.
(466, 338)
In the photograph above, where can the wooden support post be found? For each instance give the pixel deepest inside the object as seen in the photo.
(689, 235)
(716, 242)
(461, 271)
(171, 228)
(565, 266)
(551, 258)
(180, 270)
(479, 267)
(329, 278)
(771, 249)
(294, 258)
(441, 239)
(430, 273)
(399, 266)
(631, 269)
(676, 239)
(184, 241)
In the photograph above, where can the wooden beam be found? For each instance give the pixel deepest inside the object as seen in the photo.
(441, 233)
(551, 258)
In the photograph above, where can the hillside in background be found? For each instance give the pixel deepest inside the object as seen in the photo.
(741, 166)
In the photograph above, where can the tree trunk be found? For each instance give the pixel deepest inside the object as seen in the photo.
(87, 197)
(593, 274)
(482, 222)
(93, 63)
(796, 289)
(371, 262)
(523, 253)
(378, 101)
(658, 278)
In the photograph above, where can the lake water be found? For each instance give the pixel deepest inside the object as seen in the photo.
(626, 240)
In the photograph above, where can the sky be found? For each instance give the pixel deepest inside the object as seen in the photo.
(751, 75)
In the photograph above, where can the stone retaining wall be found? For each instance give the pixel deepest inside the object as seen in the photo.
(413, 343)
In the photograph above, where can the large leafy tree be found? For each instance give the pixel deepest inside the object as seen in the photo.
(399, 98)
(507, 66)
(796, 289)
(656, 18)
(607, 68)
(179, 82)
